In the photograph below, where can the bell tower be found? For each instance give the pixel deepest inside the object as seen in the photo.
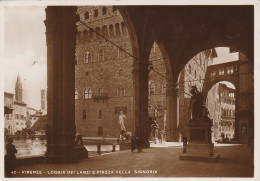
(18, 90)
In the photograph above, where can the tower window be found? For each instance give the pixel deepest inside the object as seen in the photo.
(164, 87)
(87, 93)
(86, 16)
(189, 69)
(84, 115)
(100, 114)
(120, 73)
(95, 13)
(100, 92)
(118, 30)
(120, 91)
(104, 11)
(111, 31)
(98, 30)
(87, 57)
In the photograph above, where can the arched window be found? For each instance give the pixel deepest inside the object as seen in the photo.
(100, 92)
(95, 13)
(104, 31)
(91, 34)
(101, 55)
(164, 87)
(120, 73)
(151, 87)
(124, 30)
(189, 69)
(85, 35)
(120, 91)
(98, 37)
(86, 15)
(111, 31)
(118, 30)
(87, 93)
(104, 11)
(87, 57)
(76, 94)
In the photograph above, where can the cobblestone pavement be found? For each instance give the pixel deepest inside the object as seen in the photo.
(236, 161)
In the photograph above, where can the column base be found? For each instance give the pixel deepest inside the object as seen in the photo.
(203, 158)
(60, 154)
(199, 152)
(125, 145)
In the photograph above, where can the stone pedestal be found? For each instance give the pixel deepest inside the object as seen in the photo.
(200, 147)
(125, 145)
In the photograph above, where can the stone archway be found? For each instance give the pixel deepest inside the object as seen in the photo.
(181, 36)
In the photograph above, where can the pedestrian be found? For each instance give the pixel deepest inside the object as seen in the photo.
(133, 144)
(10, 158)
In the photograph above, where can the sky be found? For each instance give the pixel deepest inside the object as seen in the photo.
(224, 55)
(26, 53)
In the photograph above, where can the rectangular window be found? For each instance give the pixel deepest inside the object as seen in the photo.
(84, 114)
(100, 131)
(100, 114)
(16, 116)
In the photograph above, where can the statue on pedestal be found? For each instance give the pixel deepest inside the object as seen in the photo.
(198, 108)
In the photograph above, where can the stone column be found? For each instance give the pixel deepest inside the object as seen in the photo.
(61, 42)
(172, 132)
(140, 76)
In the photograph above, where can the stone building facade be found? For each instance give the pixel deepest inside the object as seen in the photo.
(103, 85)
(227, 103)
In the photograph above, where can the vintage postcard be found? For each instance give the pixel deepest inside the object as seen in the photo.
(122, 89)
